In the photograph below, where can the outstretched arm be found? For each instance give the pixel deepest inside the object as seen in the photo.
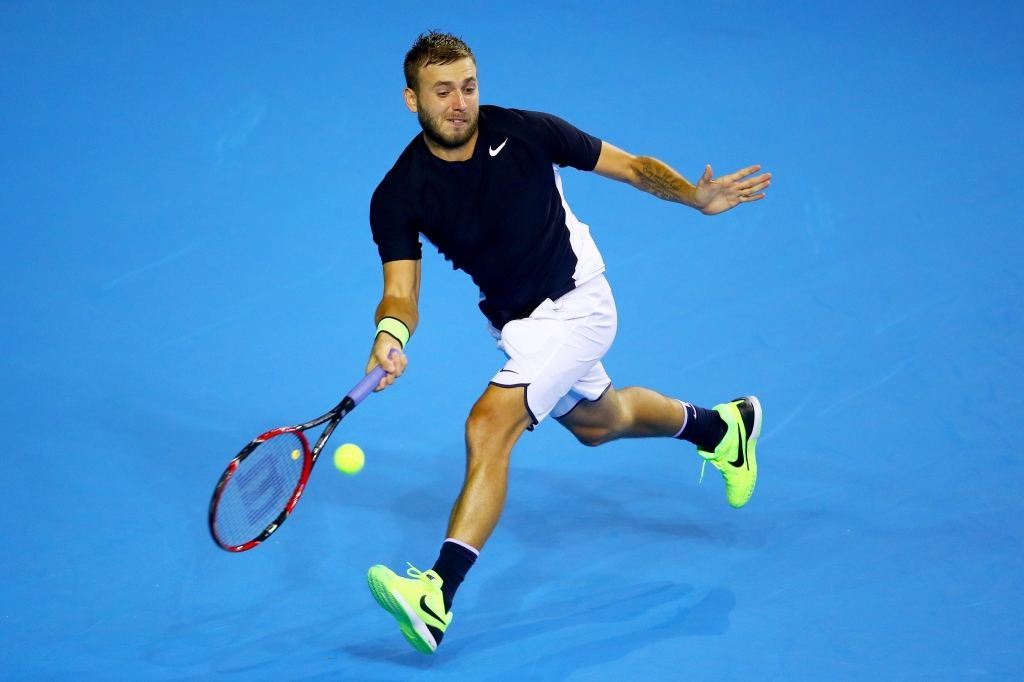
(400, 301)
(709, 196)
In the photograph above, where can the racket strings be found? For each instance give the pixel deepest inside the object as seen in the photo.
(260, 489)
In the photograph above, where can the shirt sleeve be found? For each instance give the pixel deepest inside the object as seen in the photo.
(567, 144)
(394, 229)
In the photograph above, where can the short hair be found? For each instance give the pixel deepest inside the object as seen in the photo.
(434, 47)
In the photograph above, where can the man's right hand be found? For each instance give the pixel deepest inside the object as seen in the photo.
(394, 366)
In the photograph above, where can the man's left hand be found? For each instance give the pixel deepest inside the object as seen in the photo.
(719, 195)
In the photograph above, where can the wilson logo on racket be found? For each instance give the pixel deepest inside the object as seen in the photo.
(262, 485)
(260, 482)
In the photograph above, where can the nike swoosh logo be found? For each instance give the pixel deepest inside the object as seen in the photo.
(423, 605)
(743, 444)
(507, 370)
(494, 152)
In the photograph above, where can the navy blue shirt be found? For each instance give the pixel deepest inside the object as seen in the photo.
(499, 215)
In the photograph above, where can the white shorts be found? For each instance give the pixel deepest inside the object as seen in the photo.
(555, 353)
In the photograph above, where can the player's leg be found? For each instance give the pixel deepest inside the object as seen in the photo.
(495, 423)
(548, 353)
(725, 436)
(633, 412)
(422, 603)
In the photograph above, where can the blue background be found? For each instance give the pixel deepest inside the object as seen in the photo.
(186, 262)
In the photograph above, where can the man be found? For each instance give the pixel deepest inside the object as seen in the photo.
(481, 184)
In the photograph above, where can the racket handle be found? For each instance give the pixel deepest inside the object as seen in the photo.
(369, 382)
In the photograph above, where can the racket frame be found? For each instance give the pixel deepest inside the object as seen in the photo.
(334, 417)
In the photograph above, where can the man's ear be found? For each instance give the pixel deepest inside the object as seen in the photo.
(410, 100)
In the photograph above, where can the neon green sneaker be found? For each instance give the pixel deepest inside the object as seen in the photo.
(417, 604)
(734, 456)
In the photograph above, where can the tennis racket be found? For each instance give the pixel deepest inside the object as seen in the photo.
(262, 485)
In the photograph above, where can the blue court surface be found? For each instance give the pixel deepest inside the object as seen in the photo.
(187, 262)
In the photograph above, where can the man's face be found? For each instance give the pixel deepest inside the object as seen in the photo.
(447, 102)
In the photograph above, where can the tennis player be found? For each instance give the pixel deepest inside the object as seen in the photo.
(481, 183)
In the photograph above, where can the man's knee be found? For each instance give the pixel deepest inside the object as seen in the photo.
(482, 423)
(495, 418)
(592, 436)
(600, 422)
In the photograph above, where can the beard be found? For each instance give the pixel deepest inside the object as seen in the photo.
(432, 128)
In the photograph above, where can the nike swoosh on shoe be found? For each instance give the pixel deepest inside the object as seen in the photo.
(423, 605)
(743, 444)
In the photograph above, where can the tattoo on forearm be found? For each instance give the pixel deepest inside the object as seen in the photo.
(659, 181)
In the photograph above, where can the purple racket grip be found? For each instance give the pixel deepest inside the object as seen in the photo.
(369, 382)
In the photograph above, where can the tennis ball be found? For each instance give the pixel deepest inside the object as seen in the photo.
(349, 458)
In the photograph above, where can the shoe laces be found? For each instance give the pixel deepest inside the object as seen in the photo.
(414, 572)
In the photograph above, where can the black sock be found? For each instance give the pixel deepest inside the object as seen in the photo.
(452, 565)
(704, 428)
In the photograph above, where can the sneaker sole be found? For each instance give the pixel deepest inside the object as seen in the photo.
(757, 418)
(752, 445)
(412, 626)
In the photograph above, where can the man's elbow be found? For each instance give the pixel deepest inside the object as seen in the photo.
(621, 169)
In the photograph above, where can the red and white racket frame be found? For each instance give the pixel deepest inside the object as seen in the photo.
(349, 403)
(307, 467)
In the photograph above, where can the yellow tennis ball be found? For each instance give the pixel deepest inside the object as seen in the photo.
(349, 458)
